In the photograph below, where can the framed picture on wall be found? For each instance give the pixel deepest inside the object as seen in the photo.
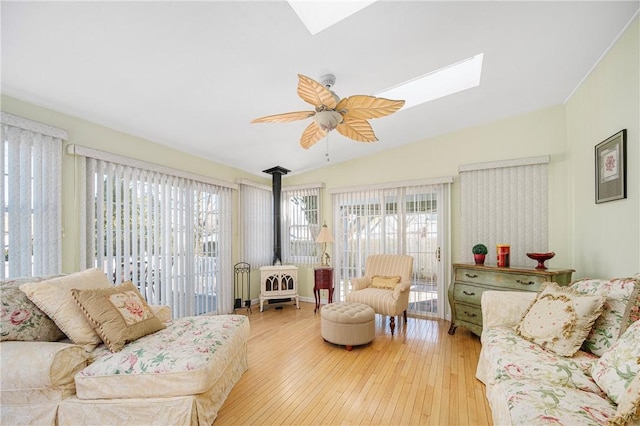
(611, 168)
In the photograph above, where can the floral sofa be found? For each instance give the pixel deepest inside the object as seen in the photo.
(67, 357)
(563, 356)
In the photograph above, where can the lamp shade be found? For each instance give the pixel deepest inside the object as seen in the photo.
(324, 236)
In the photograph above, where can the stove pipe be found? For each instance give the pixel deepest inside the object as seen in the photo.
(276, 173)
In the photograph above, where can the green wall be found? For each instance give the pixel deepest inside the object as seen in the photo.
(91, 135)
(596, 240)
(534, 134)
(605, 238)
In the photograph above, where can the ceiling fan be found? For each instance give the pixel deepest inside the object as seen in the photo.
(347, 115)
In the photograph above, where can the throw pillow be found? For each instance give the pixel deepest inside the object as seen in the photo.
(560, 318)
(20, 318)
(629, 404)
(618, 366)
(378, 281)
(54, 298)
(622, 294)
(632, 314)
(119, 314)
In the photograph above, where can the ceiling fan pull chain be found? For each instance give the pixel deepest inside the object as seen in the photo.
(327, 153)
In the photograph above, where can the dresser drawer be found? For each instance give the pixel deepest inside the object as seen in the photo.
(466, 293)
(468, 313)
(506, 281)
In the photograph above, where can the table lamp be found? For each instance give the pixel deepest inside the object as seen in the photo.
(324, 237)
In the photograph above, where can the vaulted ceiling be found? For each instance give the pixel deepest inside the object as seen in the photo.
(192, 75)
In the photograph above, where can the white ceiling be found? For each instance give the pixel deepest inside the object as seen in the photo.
(192, 75)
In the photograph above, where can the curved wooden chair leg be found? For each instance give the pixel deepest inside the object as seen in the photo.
(392, 323)
(405, 316)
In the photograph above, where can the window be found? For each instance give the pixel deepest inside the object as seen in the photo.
(167, 231)
(31, 192)
(301, 217)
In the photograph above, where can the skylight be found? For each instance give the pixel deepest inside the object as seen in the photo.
(446, 81)
(319, 15)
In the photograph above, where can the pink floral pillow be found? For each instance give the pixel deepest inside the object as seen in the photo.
(119, 314)
(560, 318)
(20, 318)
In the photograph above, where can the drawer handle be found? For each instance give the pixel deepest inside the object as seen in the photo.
(470, 276)
(470, 315)
(525, 282)
(468, 293)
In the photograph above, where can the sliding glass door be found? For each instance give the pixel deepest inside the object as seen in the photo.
(402, 220)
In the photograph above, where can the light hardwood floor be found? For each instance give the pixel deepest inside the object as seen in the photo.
(422, 375)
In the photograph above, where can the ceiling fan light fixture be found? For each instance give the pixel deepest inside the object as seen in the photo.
(328, 120)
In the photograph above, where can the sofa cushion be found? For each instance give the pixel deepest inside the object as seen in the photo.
(528, 402)
(618, 366)
(389, 283)
(20, 318)
(39, 371)
(54, 298)
(119, 313)
(560, 318)
(163, 312)
(381, 300)
(506, 356)
(629, 404)
(622, 295)
(185, 358)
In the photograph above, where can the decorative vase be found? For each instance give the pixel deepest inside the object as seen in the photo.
(541, 257)
(479, 258)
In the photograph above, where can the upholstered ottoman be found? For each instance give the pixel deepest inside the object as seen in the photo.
(347, 323)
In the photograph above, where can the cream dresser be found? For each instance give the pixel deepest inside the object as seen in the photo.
(469, 281)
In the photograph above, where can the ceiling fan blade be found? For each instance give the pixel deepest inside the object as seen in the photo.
(363, 107)
(315, 93)
(358, 130)
(312, 134)
(285, 117)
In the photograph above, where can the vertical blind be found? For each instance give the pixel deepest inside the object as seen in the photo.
(505, 203)
(256, 223)
(400, 219)
(169, 234)
(301, 225)
(30, 191)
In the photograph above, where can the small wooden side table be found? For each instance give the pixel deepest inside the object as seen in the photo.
(322, 280)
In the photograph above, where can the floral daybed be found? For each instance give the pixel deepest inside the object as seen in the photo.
(178, 372)
(564, 356)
